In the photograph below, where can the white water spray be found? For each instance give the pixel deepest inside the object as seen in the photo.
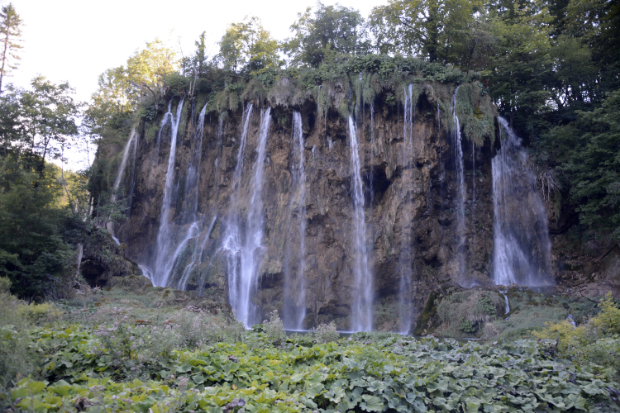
(460, 210)
(522, 250)
(362, 303)
(245, 258)
(406, 250)
(164, 263)
(119, 177)
(296, 288)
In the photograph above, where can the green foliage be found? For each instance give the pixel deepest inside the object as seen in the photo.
(325, 333)
(486, 305)
(594, 342)
(122, 88)
(33, 253)
(321, 35)
(466, 310)
(389, 373)
(421, 27)
(468, 327)
(248, 46)
(42, 119)
(274, 328)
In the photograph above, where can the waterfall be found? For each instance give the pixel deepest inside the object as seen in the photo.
(192, 178)
(119, 177)
(460, 210)
(164, 121)
(295, 293)
(406, 252)
(362, 303)
(133, 172)
(473, 192)
(522, 250)
(249, 255)
(196, 256)
(232, 238)
(507, 303)
(164, 263)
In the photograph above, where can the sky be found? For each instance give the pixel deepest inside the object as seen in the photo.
(77, 40)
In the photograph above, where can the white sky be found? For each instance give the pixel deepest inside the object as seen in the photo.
(77, 40)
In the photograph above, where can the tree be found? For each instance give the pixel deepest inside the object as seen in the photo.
(249, 46)
(10, 30)
(122, 88)
(330, 29)
(47, 118)
(423, 28)
(587, 153)
(195, 65)
(521, 68)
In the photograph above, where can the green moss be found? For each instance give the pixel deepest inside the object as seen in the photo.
(425, 321)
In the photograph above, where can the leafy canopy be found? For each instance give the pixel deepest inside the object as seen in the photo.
(328, 31)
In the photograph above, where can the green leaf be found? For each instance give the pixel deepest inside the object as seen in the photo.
(372, 404)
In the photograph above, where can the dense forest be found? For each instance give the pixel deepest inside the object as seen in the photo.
(551, 68)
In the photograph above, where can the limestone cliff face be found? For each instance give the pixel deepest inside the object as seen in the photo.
(411, 205)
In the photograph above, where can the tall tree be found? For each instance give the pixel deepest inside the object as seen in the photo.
(423, 28)
(248, 45)
(10, 30)
(47, 114)
(330, 29)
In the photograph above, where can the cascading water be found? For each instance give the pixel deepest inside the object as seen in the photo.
(136, 145)
(522, 250)
(192, 178)
(406, 252)
(506, 299)
(164, 121)
(473, 191)
(232, 238)
(460, 209)
(295, 289)
(196, 256)
(163, 263)
(119, 177)
(243, 277)
(363, 284)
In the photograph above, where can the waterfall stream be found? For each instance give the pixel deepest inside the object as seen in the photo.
(192, 178)
(522, 250)
(163, 263)
(406, 250)
(507, 303)
(119, 177)
(295, 289)
(362, 303)
(245, 254)
(460, 208)
(232, 238)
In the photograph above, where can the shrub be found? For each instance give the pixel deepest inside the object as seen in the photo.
(608, 320)
(326, 333)
(274, 328)
(39, 313)
(5, 285)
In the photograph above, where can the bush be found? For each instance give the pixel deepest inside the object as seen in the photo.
(326, 333)
(39, 313)
(595, 342)
(5, 285)
(274, 328)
